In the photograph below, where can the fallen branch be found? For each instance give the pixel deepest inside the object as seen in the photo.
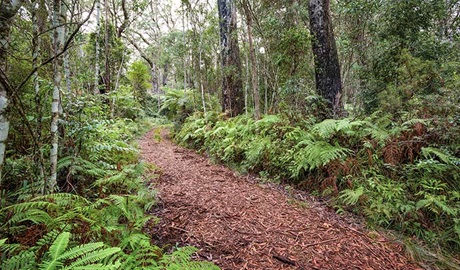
(284, 260)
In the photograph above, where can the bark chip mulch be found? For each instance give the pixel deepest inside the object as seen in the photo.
(241, 224)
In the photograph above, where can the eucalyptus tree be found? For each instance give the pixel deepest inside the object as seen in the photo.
(58, 43)
(327, 68)
(97, 51)
(248, 12)
(232, 94)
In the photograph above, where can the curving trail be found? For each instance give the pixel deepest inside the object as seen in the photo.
(241, 224)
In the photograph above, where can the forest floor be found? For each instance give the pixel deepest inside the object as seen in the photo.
(238, 222)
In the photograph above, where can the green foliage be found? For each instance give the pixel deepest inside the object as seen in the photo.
(389, 172)
(101, 230)
(59, 256)
(139, 76)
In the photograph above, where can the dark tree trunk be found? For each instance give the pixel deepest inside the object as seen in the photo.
(327, 69)
(232, 93)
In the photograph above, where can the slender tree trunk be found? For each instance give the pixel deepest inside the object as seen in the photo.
(58, 41)
(232, 92)
(7, 11)
(38, 19)
(185, 53)
(117, 81)
(203, 99)
(106, 50)
(98, 31)
(254, 69)
(327, 68)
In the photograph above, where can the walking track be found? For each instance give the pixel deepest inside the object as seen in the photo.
(241, 224)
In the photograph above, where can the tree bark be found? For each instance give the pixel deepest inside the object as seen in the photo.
(327, 68)
(98, 31)
(58, 41)
(254, 70)
(232, 93)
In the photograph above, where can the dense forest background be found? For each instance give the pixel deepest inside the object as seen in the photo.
(355, 101)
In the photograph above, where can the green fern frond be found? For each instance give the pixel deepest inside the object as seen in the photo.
(24, 260)
(94, 256)
(414, 121)
(446, 157)
(181, 259)
(350, 196)
(54, 252)
(36, 216)
(317, 154)
(25, 206)
(99, 266)
(327, 128)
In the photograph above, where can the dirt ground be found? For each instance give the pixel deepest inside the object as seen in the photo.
(239, 223)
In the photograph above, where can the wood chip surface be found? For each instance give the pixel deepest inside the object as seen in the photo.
(242, 224)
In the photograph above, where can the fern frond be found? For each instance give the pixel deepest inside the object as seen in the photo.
(181, 259)
(36, 216)
(350, 196)
(24, 260)
(327, 128)
(444, 156)
(94, 256)
(22, 207)
(56, 249)
(99, 266)
(317, 154)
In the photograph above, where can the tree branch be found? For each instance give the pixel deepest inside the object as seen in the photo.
(64, 49)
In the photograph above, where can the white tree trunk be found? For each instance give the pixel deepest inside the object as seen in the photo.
(58, 41)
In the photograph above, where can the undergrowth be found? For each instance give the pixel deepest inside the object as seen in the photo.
(100, 221)
(400, 176)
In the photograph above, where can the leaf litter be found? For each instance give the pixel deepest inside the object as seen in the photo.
(239, 223)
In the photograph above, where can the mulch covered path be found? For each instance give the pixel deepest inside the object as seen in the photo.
(241, 224)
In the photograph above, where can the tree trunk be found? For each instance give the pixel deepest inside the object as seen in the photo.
(106, 50)
(254, 70)
(7, 11)
(39, 18)
(232, 93)
(98, 31)
(327, 68)
(58, 41)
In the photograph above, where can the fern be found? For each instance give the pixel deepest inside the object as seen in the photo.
(58, 246)
(24, 260)
(315, 155)
(350, 196)
(80, 256)
(444, 156)
(93, 256)
(180, 259)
